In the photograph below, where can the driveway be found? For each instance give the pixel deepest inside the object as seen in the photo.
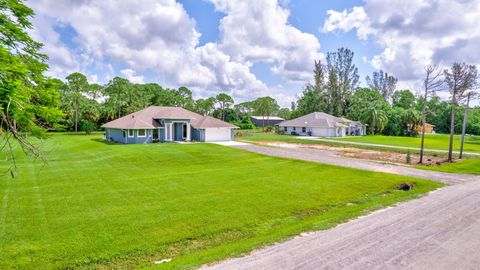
(330, 157)
(438, 231)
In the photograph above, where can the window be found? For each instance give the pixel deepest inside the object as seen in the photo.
(141, 133)
(130, 133)
(294, 129)
(304, 129)
(285, 129)
(124, 134)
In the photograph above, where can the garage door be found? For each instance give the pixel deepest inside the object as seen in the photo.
(217, 134)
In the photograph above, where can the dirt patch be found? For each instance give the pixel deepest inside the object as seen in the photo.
(350, 152)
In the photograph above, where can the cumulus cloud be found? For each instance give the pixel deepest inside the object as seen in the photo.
(159, 37)
(258, 31)
(414, 33)
(130, 75)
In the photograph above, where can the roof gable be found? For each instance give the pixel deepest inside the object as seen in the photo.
(147, 119)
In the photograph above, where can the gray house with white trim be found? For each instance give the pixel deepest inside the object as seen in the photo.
(167, 124)
(320, 124)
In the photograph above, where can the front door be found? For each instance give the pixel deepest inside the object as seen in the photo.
(155, 134)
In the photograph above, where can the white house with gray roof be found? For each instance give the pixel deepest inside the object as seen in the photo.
(320, 124)
(167, 124)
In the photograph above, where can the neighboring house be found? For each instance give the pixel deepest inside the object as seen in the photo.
(429, 128)
(260, 121)
(321, 124)
(167, 124)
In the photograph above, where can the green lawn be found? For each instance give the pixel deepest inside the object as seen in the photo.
(432, 141)
(468, 166)
(98, 205)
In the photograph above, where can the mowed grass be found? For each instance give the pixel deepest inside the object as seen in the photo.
(97, 205)
(432, 141)
(468, 166)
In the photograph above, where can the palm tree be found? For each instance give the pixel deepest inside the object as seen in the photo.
(375, 117)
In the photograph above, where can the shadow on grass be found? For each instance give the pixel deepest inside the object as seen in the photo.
(100, 140)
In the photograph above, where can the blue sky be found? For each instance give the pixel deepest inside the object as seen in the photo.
(251, 48)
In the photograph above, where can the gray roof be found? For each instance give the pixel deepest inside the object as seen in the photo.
(148, 118)
(317, 119)
(267, 117)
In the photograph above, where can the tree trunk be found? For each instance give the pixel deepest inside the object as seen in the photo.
(263, 123)
(452, 132)
(422, 143)
(464, 127)
(76, 114)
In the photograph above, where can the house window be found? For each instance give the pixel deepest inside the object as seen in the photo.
(285, 129)
(130, 133)
(294, 128)
(141, 133)
(304, 129)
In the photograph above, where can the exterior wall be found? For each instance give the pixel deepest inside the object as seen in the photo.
(317, 132)
(115, 135)
(118, 135)
(137, 140)
(196, 134)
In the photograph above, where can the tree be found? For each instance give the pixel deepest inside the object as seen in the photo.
(265, 106)
(470, 95)
(342, 80)
(403, 99)
(225, 101)
(431, 84)
(374, 117)
(361, 98)
(117, 92)
(284, 113)
(313, 96)
(383, 83)
(21, 76)
(459, 79)
(205, 106)
(410, 119)
(77, 84)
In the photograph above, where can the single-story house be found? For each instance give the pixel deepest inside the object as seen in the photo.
(321, 124)
(260, 121)
(429, 128)
(167, 124)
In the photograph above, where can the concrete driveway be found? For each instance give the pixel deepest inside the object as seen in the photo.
(438, 231)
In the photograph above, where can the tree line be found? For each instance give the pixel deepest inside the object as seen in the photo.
(32, 103)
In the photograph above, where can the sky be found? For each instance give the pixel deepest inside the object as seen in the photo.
(251, 48)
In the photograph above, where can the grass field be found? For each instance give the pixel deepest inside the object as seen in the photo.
(468, 166)
(432, 141)
(98, 205)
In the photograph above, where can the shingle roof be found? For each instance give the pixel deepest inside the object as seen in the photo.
(148, 118)
(316, 119)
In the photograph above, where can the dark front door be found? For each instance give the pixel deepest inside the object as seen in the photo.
(155, 134)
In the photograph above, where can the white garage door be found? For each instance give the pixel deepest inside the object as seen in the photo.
(217, 134)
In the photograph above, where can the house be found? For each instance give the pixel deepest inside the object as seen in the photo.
(266, 121)
(321, 124)
(429, 128)
(167, 124)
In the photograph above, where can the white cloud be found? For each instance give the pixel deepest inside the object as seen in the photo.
(414, 33)
(130, 75)
(258, 31)
(347, 20)
(159, 37)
